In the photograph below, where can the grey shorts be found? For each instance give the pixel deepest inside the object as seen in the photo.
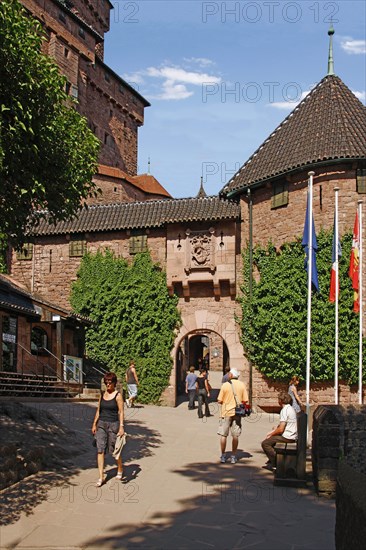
(229, 423)
(132, 390)
(106, 436)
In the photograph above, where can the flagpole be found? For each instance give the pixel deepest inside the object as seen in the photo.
(360, 297)
(336, 245)
(310, 271)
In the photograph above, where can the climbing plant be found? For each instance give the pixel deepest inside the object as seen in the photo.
(274, 319)
(134, 316)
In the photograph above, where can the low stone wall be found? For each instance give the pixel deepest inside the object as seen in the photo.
(339, 433)
(350, 530)
(265, 392)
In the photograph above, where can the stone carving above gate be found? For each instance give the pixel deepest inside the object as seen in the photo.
(200, 250)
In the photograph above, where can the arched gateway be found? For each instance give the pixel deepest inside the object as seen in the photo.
(203, 332)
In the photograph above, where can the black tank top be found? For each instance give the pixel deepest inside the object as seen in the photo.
(201, 383)
(108, 411)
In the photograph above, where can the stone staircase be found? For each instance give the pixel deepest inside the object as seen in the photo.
(13, 384)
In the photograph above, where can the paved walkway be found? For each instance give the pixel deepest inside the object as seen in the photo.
(175, 493)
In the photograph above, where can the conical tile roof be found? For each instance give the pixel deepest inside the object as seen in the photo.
(329, 124)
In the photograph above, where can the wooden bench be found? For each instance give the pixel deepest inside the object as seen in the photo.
(291, 458)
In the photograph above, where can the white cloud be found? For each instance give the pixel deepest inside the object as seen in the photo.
(174, 91)
(175, 81)
(136, 78)
(200, 61)
(177, 74)
(360, 95)
(353, 47)
(288, 105)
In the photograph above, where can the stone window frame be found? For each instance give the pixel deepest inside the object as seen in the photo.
(26, 252)
(280, 194)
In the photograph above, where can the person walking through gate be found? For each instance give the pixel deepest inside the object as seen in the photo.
(191, 387)
(203, 393)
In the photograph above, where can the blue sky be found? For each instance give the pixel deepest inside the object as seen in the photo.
(220, 76)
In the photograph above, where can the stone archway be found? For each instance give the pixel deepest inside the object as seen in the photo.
(203, 321)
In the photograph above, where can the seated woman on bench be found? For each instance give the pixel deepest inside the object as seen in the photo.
(286, 431)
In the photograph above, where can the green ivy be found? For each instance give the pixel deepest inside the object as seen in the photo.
(134, 316)
(274, 320)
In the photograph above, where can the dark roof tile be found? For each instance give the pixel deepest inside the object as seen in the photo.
(328, 124)
(137, 215)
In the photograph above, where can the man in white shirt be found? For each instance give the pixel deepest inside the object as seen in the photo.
(286, 431)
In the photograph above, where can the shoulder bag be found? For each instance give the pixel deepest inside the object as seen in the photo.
(241, 409)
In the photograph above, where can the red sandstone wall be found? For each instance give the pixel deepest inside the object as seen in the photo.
(113, 111)
(51, 271)
(116, 190)
(285, 224)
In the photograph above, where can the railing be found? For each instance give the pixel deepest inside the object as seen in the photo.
(91, 372)
(40, 365)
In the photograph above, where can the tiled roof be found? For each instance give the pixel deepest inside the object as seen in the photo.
(329, 124)
(14, 296)
(149, 184)
(146, 182)
(136, 215)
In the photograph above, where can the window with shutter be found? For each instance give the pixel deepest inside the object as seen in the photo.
(138, 243)
(280, 194)
(77, 248)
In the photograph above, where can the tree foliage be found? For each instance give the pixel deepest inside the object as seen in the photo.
(274, 321)
(134, 316)
(48, 155)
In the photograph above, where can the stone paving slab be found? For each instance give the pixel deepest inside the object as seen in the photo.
(175, 492)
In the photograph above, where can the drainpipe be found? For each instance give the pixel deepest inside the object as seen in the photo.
(250, 207)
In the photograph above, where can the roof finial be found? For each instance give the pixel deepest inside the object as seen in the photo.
(330, 55)
(201, 193)
(148, 166)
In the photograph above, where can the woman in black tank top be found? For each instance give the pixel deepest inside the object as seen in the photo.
(108, 424)
(203, 393)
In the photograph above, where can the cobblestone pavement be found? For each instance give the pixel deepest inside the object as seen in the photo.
(175, 493)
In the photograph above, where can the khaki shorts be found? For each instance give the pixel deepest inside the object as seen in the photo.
(228, 423)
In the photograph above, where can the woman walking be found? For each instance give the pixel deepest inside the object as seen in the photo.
(108, 424)
(203, 393)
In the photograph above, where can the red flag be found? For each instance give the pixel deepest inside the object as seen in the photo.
(355, 264)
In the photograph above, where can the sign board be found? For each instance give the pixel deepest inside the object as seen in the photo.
(73, 369)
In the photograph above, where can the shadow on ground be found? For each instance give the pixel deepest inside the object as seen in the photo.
(236, 506)
(43, 431)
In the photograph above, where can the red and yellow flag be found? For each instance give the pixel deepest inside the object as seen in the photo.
(354, 266)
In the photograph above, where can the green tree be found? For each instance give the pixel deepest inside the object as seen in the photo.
(274, 321)
(48, 155)
(134, 316)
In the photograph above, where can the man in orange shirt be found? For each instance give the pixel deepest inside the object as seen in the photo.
(228, 420)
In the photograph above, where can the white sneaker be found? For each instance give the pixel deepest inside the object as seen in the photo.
(128, 403)
(222, 459)
(233, 459)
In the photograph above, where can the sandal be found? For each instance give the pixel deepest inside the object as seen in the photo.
(119, 475)
(100, 482)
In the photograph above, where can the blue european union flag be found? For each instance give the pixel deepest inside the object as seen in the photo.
(305, 244)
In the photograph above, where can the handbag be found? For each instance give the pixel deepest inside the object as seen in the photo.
(241, 409)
